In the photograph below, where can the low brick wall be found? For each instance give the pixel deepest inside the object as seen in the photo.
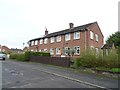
(58, 61)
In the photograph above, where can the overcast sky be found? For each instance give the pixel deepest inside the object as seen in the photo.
(22, 20)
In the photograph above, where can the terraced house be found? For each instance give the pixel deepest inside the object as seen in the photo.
(75, 39)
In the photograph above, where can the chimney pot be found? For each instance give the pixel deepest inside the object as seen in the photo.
(71, 25)
(46, 31)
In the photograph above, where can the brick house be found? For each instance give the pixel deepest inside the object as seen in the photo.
(4, 49)
(76, 39)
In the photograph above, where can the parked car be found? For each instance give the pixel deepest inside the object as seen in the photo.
(2, 56)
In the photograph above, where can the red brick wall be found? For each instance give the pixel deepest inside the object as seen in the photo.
(96, 30)
(71, 43)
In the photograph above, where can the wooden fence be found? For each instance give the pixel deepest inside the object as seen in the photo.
(58, 61)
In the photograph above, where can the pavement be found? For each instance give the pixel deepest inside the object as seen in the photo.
(35, 75)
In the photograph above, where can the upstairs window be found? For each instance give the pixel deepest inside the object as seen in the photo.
(45, 41)
(36, 42)
(91, 35)
(32, 43)
(76, 50)
(58, 38)
(67, 37)
(52, 39)
(76, 35)
(41, 41)
(96, 37)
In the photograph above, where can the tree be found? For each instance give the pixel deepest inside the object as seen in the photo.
(114, 38)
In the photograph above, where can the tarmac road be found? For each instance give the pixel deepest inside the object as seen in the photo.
(35, 75)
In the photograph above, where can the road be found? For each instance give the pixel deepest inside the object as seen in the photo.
(35, 75)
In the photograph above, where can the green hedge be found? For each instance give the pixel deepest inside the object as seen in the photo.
(90, 60)
(40, 53)
(26, 55)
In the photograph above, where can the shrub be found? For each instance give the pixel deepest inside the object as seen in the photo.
(91, 60)
(26, 55)
(112, 60)
(40, 53)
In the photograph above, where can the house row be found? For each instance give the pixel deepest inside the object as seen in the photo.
(76, 39)
(8, 50)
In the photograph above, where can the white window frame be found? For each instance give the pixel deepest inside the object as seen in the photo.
(52, 39)
(51, 51)
(39, 50)
(96, 36)
(66, 48)
(91, 47)
(75, 50)
(45, 40)
(32, 43)
(41, 41)
(31, 50)
(67, 37)
(59, 38)
(36, 42)
(77, 35)
(91, 35)
(97, 51)
(45, 50)
(58, 51)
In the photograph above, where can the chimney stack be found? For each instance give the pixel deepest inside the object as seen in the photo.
(46, 31)
(71, 25)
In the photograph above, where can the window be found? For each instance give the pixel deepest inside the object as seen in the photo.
(91, 35)
(45, 50)
(31, 50)
(32, 43)
(36, 42)
(76, 35)
(91, 47)
(52, 39)
(3, 50)
(45, 41)
(96, 36)
(77, 50)
(67, 50)
(97, 50)
(51, 51)
(40, 50)
(41, 41)
(58, 38)
(58, 51)
(67, 37)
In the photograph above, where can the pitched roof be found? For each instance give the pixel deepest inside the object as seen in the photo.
(108, 46)
(62, 32)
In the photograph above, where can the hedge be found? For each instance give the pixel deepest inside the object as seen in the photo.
(25, 56)
(90, 60)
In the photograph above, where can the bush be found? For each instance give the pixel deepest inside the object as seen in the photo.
(26, 55)
(20, 57)
(91, 60)
(40, 53)
(87, 60)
